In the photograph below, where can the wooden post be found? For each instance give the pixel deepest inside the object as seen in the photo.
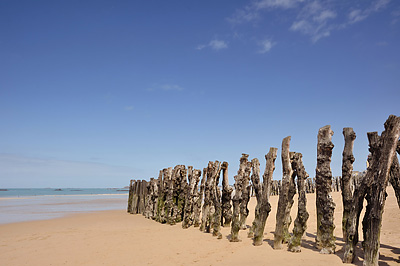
(237, 199)
(130, 197)
(381, 163)
(216, 199)
(199, 200)
(395, 178)
(325, 206)
(205, 220)
(264, 207)
(246, 189)
(169, 187)
(257, 188)
(154, 198)
(300, 224)
(346, 180)
(161, 197)
(285, 200)
(226, 197)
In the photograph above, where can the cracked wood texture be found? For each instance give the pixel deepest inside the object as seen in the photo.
(237, 199)
(381, 164)
(226, 197)
(325, 206)
(264, 207)
(257, 188)
(199, 200)
(346, 180)
(300, 224)
(285, 200)
(216, 199)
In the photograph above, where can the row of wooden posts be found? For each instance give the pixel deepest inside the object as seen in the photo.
(177, 197)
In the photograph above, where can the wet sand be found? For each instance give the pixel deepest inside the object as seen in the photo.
(118, 238)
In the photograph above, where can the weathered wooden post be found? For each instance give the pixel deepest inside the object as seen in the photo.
(130, 197)
(346, 180)
(169, 176)
(300, 224)
(395, 178)
(148, 200)
(216, 199)
(257, 188)
(325, 239)
(246, 189)
(381, 163)
(237, 199)
(226, 197)
(205, 220)
(191, 190)
(199, 200)
(135, 198)
(154, 198)
(180, 184)
(160, 216)
(264, 207)
(285, 200)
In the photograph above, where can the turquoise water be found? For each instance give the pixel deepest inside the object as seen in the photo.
(19, 205)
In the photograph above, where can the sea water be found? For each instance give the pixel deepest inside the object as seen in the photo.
(19, 205)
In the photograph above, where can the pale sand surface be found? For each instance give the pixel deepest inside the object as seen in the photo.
(118, 238)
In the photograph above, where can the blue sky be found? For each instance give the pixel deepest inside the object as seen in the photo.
(94, 93)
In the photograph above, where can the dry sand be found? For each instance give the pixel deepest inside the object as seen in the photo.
(118, 238)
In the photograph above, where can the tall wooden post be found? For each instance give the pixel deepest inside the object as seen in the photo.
(325, 206)
(300, 224)
(347, 171)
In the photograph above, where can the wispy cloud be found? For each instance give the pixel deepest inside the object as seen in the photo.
(213, 44)
(128, 108)
(266, 46)
(314, 18)
(252, 11)
(357, 15)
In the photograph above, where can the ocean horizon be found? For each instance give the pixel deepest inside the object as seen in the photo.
(20, 205)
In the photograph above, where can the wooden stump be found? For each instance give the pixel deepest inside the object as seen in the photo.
(257, 188)
(130, 197)
(380, 168)
(300, 224)
(199, 200)
(264, 207)
(216, 199)
(395, 178)
(237, 198)
(207, 204)
(325, 206)
(285, 200)
(226, 197)
(246, 190)
(347, 173)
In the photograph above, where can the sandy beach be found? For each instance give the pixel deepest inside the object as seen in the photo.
(118, 238)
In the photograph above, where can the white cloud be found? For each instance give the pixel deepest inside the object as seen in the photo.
(218, 44)
(313, 18)
(324, 15)
(213, 44)
(262, 4)
(266, 46)
(357, 15)
(252, 12)
(128, 108)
